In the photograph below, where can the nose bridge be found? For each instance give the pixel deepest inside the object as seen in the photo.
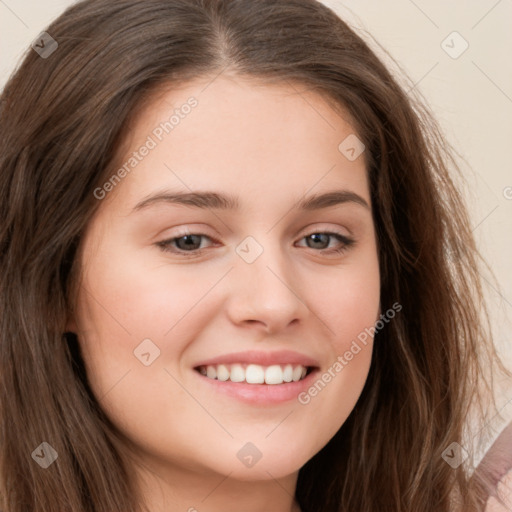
(263, 261)
(265, 287)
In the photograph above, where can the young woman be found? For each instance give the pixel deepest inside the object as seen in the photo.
(235, 272)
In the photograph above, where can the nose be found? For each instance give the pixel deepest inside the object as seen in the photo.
(266, 293)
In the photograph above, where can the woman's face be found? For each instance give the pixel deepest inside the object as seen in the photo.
(281, 281)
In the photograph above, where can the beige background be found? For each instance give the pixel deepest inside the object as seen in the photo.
(471, 96)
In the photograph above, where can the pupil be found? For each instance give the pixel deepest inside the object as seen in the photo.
(316, 237)
(188, 240)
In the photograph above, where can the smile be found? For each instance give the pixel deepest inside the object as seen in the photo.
(255, 373)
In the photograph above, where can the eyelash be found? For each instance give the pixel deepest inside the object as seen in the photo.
(165, 245)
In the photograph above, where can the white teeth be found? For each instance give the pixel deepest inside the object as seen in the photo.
(255, 373)
(222, 372)
(211, 372)
(237, 373)
(297, 373)
(274, 375)
(288, 373)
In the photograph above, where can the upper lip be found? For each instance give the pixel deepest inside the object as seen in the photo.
(261, 358)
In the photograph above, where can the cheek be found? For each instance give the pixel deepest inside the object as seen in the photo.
(348, 305)
(125, 301)
(348, 302)
(123, 310)
(353, 314)
(126, 294)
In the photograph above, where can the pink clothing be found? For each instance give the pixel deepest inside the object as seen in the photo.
(496, 467)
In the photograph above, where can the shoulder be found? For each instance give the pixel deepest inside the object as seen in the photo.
(496, 469)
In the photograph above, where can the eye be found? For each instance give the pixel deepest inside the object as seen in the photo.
(187, 243)
(321, 238)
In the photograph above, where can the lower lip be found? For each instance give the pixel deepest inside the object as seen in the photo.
(261, 393)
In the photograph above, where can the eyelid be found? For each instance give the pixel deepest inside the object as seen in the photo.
(324, 228)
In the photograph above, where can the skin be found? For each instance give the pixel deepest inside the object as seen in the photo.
(498, 461)
(504, 491)
(270, 145)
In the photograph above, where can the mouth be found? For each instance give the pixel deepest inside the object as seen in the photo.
(256, 377)
(274, 375)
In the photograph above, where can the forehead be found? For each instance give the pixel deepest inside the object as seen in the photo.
(254, 140)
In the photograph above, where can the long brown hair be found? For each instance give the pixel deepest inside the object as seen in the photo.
(63, 118)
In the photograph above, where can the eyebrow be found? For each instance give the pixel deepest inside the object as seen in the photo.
(219, 201)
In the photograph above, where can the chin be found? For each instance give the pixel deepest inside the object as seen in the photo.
(268, 460)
